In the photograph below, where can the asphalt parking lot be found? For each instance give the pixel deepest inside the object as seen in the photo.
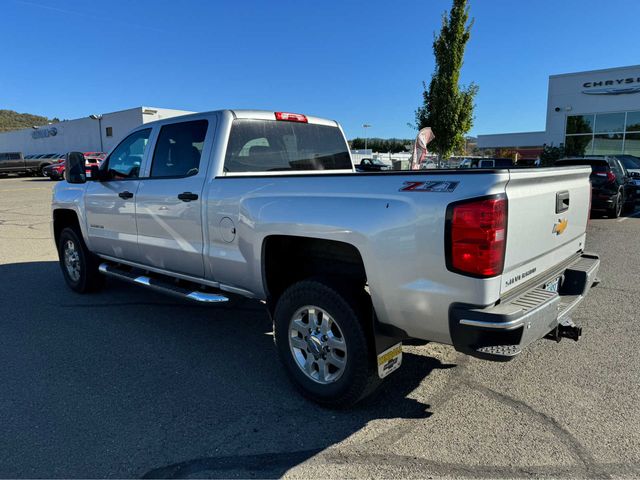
(129, 383)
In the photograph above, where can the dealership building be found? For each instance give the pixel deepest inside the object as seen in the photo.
(590, 113)
(88, 134)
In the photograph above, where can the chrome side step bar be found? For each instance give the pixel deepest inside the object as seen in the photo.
(160, 285)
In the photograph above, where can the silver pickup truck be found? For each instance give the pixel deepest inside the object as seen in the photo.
(268, 205)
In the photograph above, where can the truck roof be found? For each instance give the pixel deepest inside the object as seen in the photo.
(243, 114)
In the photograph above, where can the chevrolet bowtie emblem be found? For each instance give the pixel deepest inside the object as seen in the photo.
(560, 227)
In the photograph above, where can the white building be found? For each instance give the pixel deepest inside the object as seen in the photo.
(591, 113)
(83, 134)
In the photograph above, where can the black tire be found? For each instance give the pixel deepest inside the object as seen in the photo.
(359, 377)
(616, 210)
(629, 206)
(88, 278)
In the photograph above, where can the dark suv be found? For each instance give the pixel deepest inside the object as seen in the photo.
(612, 187)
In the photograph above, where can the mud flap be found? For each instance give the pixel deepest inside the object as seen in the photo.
(388, 345)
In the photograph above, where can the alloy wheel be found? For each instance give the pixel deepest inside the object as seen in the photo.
(72, 260)
(317, 344)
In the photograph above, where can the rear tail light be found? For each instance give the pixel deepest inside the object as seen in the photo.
(475, 236)
(611, 177)
(291, 117)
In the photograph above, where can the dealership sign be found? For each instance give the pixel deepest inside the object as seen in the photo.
(618, 86)
(44, 132)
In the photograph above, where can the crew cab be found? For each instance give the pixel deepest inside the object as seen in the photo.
(268, 205)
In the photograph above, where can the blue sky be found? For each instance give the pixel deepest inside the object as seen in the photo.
(356, 62)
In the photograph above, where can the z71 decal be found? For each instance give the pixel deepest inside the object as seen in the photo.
(429, 186)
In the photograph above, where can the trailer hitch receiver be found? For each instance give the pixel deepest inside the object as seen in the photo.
(565, 329)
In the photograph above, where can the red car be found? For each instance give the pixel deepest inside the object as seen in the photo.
(55, 171)
(94, 157)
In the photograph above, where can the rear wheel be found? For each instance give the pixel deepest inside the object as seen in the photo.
(322, 342)
(629, 205)
(79, 266)
(616, 209)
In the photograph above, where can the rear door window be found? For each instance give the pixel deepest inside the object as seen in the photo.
(179, 149)
(275, 146)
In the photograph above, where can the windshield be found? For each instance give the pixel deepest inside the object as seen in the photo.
(269, 146)
(630, 163)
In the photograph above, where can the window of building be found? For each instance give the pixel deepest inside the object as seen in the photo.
(578, 145)
(178, 149)
(109, 131)
(608, 144)
(610, 122)
(579, 124)
(603, 134)
(632, 144)
(633, 122)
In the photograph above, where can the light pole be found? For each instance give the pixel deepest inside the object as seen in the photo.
(365, 126)
(99, 118)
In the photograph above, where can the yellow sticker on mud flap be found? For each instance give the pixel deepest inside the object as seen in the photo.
(390, 360)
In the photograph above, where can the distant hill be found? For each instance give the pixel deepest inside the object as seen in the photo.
(10, 120)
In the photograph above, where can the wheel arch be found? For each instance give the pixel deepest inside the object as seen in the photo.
(63, 218)
(287, 259)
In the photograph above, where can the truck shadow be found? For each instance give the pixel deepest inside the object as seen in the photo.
(127, 382)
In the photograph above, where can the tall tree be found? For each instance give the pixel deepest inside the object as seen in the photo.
(448, 107)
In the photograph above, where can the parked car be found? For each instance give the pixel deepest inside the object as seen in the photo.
(428, 165)
(94, 157)
(632, 165)
(372, 165)
(55, 171)
(486, 163)
(58, 158)
(612, 188)
(268, 205)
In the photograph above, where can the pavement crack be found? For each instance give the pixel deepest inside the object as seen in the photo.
(567, 438)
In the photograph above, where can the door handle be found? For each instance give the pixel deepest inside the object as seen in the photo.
(562, 201)
(125, 195)
(187, 196)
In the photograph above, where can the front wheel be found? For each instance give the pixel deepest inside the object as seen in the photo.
(79, 266)
(322, 341)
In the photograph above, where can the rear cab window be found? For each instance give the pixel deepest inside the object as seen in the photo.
(257, 146)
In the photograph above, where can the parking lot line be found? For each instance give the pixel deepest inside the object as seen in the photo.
(635, 215)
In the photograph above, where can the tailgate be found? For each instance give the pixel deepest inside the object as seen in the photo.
(547, 219)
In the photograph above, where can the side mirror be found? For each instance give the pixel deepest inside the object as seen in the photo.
(74, 168)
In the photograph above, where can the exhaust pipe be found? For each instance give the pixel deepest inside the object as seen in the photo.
(565, 329)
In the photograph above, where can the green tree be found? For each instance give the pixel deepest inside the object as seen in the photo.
(550, 154)
(10, 120)
(447, 107)
(393, 145)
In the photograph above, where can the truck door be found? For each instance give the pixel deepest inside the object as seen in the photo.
(110, 203)
(169, 200)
